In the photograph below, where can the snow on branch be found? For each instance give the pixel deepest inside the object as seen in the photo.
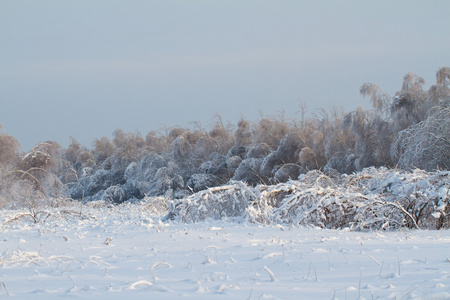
(372, 199)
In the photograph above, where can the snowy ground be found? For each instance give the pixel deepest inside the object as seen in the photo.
(120, 252)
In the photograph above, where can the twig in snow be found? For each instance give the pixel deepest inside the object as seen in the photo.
(198, 279)
(254, 270)
(250, 295)
(272, 277)
(7, 292)
(162, 263)
(309, 270)
(345, 257)
(334, 295)
(65, 270)
(381, 268)
(359, 285)
(73, 283)
(372, 258)
(408, 292)
(315, 273)
(292, 271)
(153, 275)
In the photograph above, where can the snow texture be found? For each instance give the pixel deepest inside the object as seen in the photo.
(103, 251)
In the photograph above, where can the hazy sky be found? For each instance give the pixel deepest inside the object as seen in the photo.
(85, 68)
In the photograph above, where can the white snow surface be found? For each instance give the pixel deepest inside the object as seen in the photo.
(321, 237)
(100, 251)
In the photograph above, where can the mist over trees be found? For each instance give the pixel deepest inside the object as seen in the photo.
(408, 130)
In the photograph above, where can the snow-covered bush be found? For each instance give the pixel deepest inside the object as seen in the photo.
(287, 172)
(114, 194)
(342, 163)
(308, 159)
(214, 203)
(258, 151)
(198, 182)
(248, 171)
(213, 162)
(372, 199)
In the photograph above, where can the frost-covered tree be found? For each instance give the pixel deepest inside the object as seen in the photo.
(204, 147)
(103, 149)
(9, 156)
(372, 130)
(410, 104)
(157, 143)
(440, 92)
(242, 135)
(425, 143)
(181, 149)
(128, 147)
(286, 153)
(222, 135)
(359, 123)
(380, 127)
(270, 131)
(78, 161)
(40, 167)
(339, 142)
(9, 153)
(178, 161)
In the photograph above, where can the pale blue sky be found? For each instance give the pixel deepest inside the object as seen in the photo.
(85, 68)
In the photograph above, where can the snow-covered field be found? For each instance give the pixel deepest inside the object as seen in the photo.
(119, 252)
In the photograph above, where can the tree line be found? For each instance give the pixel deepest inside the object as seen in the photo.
(407, 130)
